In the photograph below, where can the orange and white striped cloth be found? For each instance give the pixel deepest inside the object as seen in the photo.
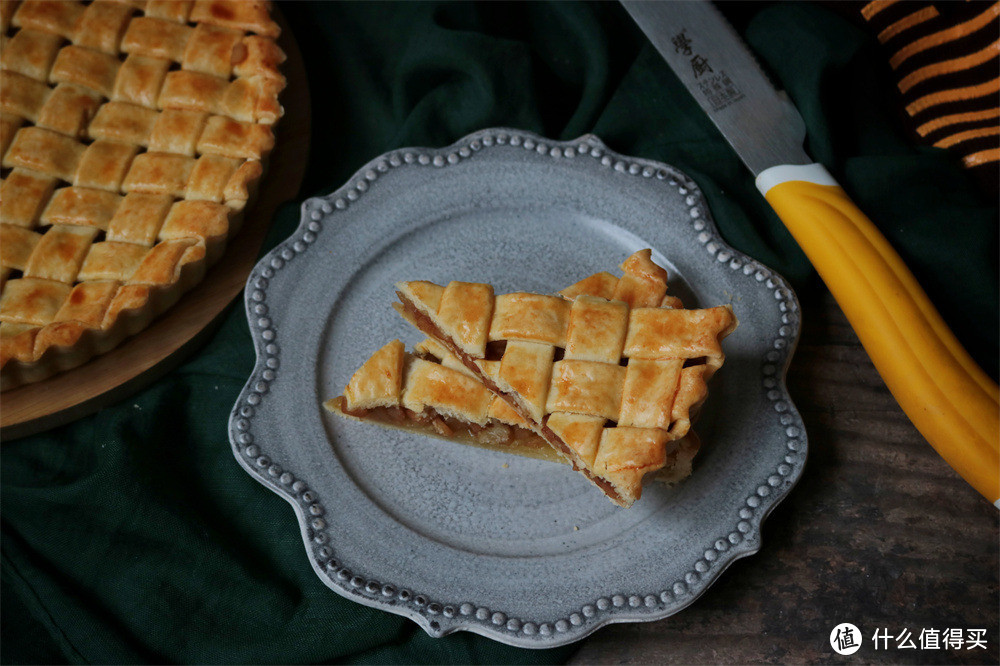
(946, 58)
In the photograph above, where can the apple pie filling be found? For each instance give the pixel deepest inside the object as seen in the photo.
(495, 435)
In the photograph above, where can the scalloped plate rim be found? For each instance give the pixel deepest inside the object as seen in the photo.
(745, 548)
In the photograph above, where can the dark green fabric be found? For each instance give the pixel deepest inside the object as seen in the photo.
(133, 536)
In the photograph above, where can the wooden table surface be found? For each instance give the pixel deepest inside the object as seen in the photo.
(879, 532)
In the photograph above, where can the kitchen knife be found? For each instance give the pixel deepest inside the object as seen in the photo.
(950, 400)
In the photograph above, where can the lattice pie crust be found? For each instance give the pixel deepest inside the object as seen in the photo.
(609, 373)
(132, 136)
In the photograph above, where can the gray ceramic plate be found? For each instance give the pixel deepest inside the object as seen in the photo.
(523, 551)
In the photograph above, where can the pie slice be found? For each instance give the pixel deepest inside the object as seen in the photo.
(610, 384)
(437, 396)
(437, 393)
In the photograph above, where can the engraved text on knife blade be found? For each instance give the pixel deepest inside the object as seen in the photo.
(712, 62)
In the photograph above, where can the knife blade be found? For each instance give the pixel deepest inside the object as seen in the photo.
(951, 401)
(709, 58)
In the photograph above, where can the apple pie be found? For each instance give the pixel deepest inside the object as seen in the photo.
(430, 395)
(132, 136)
(608, 373)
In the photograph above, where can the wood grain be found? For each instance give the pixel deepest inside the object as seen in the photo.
(879, 532)
(147, 356)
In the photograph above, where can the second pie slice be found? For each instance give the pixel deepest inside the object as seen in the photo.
(609, 383)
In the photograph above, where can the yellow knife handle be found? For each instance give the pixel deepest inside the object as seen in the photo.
(949, 398)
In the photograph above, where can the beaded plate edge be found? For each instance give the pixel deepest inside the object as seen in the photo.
(442, 617)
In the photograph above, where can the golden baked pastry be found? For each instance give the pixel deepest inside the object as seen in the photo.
(610, 384)
(132, 135)
(439, 397)
(608, 373)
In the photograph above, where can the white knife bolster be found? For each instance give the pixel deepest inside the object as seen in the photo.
(810, 173)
